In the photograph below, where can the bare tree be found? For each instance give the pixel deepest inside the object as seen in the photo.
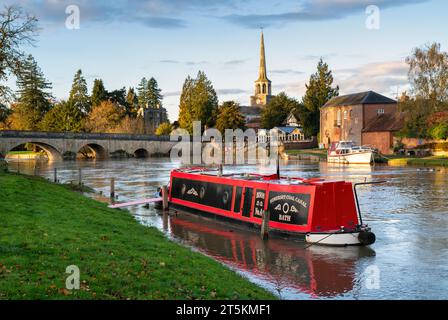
(17, 28)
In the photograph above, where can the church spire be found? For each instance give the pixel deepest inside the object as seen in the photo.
(262, 72)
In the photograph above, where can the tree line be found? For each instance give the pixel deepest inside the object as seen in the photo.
(33, 107)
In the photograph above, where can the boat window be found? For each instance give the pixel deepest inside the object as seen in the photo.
(238, 196)
(247, 203)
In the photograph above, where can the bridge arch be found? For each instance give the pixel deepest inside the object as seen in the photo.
(141, 153)
(92, 151)
(53, 153)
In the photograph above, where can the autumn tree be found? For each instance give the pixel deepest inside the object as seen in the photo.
(17, 29)
(319, 91)
(229, 116)
(104, 118)
(164, 129)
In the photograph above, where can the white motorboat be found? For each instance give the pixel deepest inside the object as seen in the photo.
(347, 152)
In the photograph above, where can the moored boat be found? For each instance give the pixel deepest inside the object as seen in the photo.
(347, 152)
(323, 212)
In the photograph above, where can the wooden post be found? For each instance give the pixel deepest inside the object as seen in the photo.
(112, 188)
(80, 177)
(220, 170)
(165, 198)
(55, 175)
(265, 225)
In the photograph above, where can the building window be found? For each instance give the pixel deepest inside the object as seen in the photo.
(338, 121)
(264, 88)
(345, 115)
(380, 111)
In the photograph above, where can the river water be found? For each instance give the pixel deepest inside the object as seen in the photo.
(409, 216)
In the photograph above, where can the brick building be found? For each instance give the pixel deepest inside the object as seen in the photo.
(367, 118)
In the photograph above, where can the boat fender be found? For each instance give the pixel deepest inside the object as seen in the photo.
(366, 237)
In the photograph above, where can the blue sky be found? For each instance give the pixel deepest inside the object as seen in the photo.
(170, 39)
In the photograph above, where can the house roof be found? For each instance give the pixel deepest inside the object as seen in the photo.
(385, 123)
(368, 97)
(287, 129)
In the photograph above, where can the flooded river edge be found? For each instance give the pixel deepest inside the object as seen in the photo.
(409, 215)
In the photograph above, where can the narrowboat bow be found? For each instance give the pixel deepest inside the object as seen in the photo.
(323, 212)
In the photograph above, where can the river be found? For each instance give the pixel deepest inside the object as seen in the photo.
(409, 216)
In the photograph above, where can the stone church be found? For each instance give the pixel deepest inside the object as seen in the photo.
(262, 93)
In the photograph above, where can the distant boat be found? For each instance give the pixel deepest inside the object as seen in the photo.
(347, 152)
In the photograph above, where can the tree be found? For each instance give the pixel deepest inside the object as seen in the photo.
(5, 112)
(131, 103)
(130, 125)
(16, 29)
(319, 91)
(99, 93)
(185, 105)
(277, 110)
(118, 97)
(34, 99)
(164, 129)
(104, 118)
(79, 97)
(143, 96)
(229, 116)
(198, 102)
(154, 94)
(428, 75)
(64, 116)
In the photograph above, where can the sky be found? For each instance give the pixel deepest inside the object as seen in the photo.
(124, 40)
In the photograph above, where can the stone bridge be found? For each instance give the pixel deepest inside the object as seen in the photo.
(61, 145)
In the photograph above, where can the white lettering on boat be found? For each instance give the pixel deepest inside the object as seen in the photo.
(286, 197)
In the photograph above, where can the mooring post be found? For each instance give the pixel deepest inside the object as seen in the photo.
(80, 177)
(165, 198)
(265, 225)
(220, 170)
(55, 175)
(112, 188)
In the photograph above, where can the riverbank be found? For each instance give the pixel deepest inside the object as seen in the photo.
(321, 153)
(47, 227)
(427, 161)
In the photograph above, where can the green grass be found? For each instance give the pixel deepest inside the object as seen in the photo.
(321, 153)
(428, 161)
(46, 227)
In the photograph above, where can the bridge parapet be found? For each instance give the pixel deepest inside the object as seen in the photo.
(80, 135)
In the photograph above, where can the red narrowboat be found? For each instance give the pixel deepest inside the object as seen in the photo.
(323, 212)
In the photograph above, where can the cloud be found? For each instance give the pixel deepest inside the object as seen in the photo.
(383, 77)
(313, 10)
(233, 91)
(285, 71)
(235, 62)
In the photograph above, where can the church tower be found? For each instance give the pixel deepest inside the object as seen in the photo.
(263, 84)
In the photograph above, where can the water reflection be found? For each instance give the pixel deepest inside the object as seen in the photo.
(287, 266)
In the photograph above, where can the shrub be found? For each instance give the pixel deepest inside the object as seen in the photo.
(439, 131)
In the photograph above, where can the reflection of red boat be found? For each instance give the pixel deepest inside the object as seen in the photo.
(325, 212)
(283, 264)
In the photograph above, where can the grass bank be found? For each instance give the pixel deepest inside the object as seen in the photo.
(428, 161)
(321, 153)
(46, 227)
